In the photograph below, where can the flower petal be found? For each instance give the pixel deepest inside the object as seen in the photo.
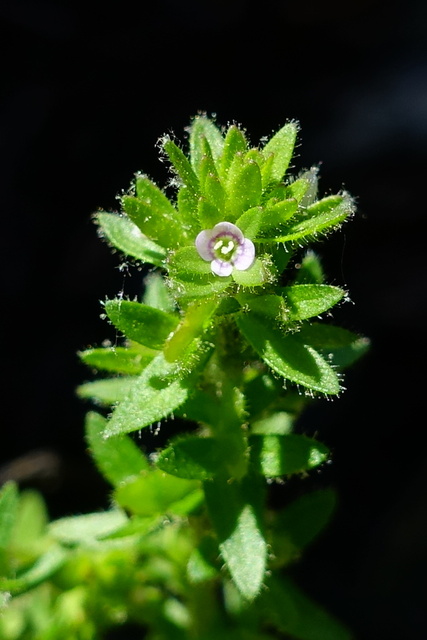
(228, 229)
(245, 255)
(204, 244)
(221, 268)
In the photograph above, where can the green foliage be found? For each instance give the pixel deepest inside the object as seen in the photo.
(235, 512)
(281, 455)
(234, 359)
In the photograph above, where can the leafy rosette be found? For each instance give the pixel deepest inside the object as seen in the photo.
(223, 246)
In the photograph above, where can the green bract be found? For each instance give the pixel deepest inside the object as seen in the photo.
(230, 340)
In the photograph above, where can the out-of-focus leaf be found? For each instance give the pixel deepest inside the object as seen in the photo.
(233, 509)
(310, 270)
(124, 360)
(192, 457)
(202, 564)
(293, 613)
(340, 346)
(44, 567)
(302, 520)
(278, 455)
(107, 392)
(31, 521)
(117, 458)
(88, 528)
(9, 501)
(155, 492)
(156, 293)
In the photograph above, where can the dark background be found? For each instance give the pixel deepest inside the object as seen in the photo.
(86, 91)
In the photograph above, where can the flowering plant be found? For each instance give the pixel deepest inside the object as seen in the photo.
(228, 338)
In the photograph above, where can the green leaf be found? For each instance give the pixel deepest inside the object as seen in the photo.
(107, 392)
(123, 234)
(156, 393)
(317, 218)
(261, 392)
(297, 189)
(279, 455)
(191, 276)
(235, 143)
(126, 360)
(117, 458)
(193, 458)
(339, 345)
(202, 407)
(277, 214)
(269, 306)
(202, 564)
(196, 320)
(308, 300)
(293, 613)
(156, 293)
(244, 190)
(9, 501)
(203, 128)
(182, 166)
(155, 493)
(304, 518)
(139, 322)
(209, 214)
(187, 202)
(288, 356)
(281, 145)
(278, 423)
(310, 270)
(153, 213)
(87, 529)
(259, 274)
(211, 186)
(44, 567)
(260, 220)
(233, 508)
(310, 195)
(30, 524)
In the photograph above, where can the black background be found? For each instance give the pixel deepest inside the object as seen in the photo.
(86, 91)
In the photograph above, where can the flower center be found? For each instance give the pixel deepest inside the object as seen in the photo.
(225, 248)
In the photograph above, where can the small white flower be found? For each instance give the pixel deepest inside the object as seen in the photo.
(225, 247)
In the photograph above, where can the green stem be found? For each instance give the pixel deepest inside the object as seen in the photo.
(226, 371)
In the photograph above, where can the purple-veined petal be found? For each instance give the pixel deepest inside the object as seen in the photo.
(221, 268)
(228, 229)
(245, 255)
(204, 244)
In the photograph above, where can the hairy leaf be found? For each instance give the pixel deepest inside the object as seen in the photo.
(140, 322)
(279, 455)
(117, 458)
(123, 234)
(288, 356)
